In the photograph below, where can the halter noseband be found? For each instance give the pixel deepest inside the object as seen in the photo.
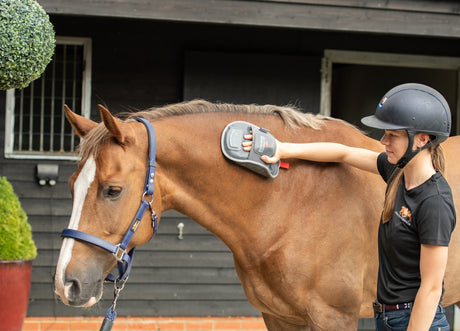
(125, 259)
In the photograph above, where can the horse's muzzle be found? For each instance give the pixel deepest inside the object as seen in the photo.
(76, 293)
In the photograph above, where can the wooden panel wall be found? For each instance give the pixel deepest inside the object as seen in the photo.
(423, 18)
(253, 78)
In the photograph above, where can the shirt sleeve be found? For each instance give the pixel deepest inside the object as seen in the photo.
(385, 168)
(435, 221)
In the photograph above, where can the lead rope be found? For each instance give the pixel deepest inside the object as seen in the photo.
(111, 313)
(119, 285)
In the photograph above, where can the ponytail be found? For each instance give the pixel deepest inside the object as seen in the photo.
(391, 193)
(439, 164)
(437, 158)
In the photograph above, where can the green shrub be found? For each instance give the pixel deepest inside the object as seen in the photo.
(27, 42)
(16, 241)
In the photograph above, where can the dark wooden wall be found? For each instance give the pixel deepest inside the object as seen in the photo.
(402, 17)
(142, 63)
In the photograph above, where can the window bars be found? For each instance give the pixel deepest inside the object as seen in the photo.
(35, 114)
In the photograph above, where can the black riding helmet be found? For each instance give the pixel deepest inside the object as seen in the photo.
(416, 108)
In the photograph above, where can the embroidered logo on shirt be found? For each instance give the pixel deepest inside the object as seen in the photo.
(405, 215)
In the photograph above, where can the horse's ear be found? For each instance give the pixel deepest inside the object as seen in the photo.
(113, 124)
(81, 125)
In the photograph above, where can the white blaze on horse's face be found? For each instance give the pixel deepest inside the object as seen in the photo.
(81, 186)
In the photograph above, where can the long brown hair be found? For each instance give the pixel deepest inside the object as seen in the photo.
(439, 164)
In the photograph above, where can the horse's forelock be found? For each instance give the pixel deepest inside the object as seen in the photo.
(92, 142)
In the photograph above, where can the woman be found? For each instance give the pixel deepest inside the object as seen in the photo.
(418, 215)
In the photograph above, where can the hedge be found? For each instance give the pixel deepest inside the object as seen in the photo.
(16, 241)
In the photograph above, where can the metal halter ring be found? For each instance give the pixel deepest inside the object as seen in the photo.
(143, 198)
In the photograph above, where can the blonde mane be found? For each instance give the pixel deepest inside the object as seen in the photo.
(292, 118)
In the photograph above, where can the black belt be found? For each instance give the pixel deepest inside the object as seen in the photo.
(380, 308)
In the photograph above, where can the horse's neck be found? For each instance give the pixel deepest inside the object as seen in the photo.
(198, 181)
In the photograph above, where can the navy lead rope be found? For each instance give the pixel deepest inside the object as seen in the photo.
(125, 259)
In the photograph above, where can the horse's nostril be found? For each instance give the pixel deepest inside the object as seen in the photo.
(80, 293)
(72, 288)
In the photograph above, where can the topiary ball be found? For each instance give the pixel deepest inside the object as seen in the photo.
(27, 42)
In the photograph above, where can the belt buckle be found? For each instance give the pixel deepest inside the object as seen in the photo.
(378, 307)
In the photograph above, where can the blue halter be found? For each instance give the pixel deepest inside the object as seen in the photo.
(124, 258)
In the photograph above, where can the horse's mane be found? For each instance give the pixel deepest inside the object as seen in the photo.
(291, 116)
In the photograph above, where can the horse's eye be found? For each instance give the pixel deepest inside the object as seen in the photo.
(112, 192)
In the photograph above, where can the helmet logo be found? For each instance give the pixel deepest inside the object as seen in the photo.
(384, 99)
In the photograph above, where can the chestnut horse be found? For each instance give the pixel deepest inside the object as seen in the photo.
(304, 243)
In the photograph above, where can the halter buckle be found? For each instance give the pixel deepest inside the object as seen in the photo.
(119, 253)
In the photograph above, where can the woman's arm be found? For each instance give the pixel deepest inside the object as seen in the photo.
(433, 261)
(322, 152)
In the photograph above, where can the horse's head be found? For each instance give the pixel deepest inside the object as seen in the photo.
(107, 189)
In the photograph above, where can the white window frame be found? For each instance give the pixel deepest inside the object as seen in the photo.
(85, 105)
(382, 59)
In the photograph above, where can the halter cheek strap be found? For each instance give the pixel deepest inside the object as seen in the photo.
(124, 258)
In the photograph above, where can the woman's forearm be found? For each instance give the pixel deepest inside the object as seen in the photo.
(425, 305)
(319, 152)
(327, 152)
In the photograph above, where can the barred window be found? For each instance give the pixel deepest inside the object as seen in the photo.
(36, 127)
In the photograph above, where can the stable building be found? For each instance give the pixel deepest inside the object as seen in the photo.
(331, 57)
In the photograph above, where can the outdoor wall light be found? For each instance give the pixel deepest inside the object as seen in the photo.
(180, 227)
(47, 174)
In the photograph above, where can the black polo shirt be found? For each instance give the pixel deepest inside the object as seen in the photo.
(422, 215)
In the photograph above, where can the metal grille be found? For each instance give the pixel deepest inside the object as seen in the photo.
(40, 124)
(35, 124)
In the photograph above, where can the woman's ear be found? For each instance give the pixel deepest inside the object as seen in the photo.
(421, 139)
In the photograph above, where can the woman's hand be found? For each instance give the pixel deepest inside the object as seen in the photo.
(247, 145)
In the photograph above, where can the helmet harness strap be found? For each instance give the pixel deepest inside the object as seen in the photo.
(410, 153)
